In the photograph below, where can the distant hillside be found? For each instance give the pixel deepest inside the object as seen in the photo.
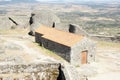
(59, 1)
(3, 2)
(79, 1)
(23, 1)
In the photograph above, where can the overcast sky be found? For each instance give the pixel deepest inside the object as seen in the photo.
(68, 0)
(5, 0)
(77, 0)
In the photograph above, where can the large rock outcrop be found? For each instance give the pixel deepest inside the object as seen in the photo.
(74, 28)
(6, 23)
(43, 17)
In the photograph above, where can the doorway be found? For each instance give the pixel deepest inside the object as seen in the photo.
(84, 57)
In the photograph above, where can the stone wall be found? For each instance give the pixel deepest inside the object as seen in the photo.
(71, 54)
(59, 49)
(38, 38)
(72, 73)
(39, 71)
(83, 45)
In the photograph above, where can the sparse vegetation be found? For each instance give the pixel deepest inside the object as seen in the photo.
(108, 44)
(103, 19)
(13, 31)
(92, 17)
(52, 54)
(49, 53)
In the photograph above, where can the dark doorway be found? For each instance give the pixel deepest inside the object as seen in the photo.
(72, 28)
(53, 26)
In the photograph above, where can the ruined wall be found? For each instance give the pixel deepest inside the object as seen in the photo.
(83, 45)
(39, 71)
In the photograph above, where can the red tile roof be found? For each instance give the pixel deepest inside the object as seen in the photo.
(61, 37)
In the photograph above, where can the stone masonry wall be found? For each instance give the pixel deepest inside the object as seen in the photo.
(83, 45)
(38, 38)
(59, 49)
(39, 71)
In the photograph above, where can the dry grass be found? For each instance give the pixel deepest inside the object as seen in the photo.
(47, 52)
(104, 18)
(108, 44)
(13, 31)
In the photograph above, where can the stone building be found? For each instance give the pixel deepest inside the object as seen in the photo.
(76, 49)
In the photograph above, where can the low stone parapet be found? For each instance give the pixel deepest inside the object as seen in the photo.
(34, 71)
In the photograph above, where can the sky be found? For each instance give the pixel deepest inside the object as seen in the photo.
(63, 0)
(4, 0)
(77, 0)
(67, 0)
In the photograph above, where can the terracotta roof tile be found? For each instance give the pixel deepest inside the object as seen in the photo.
(61, 37)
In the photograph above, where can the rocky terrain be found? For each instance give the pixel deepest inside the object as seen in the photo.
(42, 17)
(16, 46)
(100, 19)
(21, 48)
